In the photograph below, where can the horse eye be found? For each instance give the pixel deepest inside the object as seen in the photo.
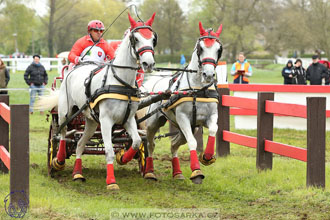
(135, 39)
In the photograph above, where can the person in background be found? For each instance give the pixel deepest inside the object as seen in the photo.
(182, 60)
(327, 66)
(241, 70)
(287, 73)
(316, 72)
(4, 77)
(36, 77)
(298, 73)
(83, 46)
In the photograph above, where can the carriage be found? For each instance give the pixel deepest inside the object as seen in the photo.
(78, 128)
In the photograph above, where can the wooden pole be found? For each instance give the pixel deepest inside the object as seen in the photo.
(4, 133)
(19, 151)
(223, 147)
(316, 131)
(264, 132)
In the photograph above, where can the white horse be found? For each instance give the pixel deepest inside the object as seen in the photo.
(181, 112)
(112, 108)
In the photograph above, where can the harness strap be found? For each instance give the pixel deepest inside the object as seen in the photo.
(128, 110)
(88, 81)
(68, 120)
(120, 80)
(142, 50)
(194, 110)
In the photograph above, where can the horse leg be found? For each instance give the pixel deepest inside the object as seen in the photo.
(185, 126)
(153, 124)
(176, 142)
(58, 163)
(106, 129)
(131, 128)
(207, 158)
(90, 128)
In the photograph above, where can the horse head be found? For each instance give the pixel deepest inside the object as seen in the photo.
(143, 41)
(209, 50)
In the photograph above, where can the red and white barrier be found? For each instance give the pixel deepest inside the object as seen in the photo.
(245, 118)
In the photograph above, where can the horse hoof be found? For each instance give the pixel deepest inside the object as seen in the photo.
(197, 180)
(119, 155)
(206, 162)
(113, 187)
(56, 165)
(178, 176)
(78, 177)
(150, 176)
(197, 177)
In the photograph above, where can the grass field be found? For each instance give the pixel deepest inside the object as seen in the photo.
(232, 186)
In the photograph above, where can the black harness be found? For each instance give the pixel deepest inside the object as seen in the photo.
(125, 89)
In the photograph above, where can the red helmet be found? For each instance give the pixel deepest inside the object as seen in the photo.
(95, 24)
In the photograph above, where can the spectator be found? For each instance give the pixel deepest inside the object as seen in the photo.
(182, 60)
(326, 64)
(299, 73)
(316, 72)
(241, 70)
(4, 77)
(36, 77)
(287, 73)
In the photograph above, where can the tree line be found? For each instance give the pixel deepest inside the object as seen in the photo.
(259, 28)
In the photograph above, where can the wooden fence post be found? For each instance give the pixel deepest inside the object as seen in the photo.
(265, 131)
(4, 133)
(223, 147)
(316, 131)
(19, 151)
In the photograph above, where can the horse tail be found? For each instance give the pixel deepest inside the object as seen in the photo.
(47, 102)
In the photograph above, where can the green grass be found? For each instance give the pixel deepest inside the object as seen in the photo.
(232, 185)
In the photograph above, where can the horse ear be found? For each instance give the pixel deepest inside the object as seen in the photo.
(219, 30)
(201, 29)
(151, 20)
(132, 21)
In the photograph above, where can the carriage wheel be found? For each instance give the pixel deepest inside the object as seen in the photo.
(53, 145)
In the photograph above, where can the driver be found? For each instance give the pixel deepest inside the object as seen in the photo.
(99, 53)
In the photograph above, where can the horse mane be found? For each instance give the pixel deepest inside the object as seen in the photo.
(125, 41)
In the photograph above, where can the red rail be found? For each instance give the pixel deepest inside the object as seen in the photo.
(286, 109)
(239, 102)
(240, 139)
(5, 112)
(286, 150)
(4, 156)
(242, 111)
(280, 88)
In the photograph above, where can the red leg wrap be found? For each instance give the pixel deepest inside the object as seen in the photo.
(194, 164)
(176, 166)
(128, 155)
(209, 151)
(110, 174)
(150, 165)
(61, 154)
(77, 167)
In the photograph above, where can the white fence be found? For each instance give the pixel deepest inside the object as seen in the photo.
(20, 64)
